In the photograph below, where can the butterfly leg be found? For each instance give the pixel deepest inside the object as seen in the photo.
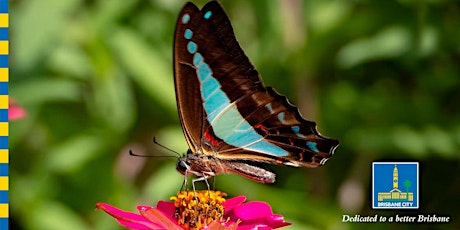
(184, 185)
(203, 178)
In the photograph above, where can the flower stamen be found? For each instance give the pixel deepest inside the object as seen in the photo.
(195, 209)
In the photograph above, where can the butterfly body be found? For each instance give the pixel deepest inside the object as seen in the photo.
(229, 118)
(205, 166)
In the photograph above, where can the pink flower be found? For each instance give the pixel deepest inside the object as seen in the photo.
(15, 112)
(199, 210)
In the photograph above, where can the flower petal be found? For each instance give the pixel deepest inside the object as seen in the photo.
(270, 222)
(15, 112)
(256, 215)
(277, 219)
(166, 207)
(252, 210)
(231, 203)
(137, 226)
(157, 216)
(216, 225)
(254, 226)
(261, 224)
(128, 219)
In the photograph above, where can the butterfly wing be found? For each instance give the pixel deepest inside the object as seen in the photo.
(224, 107)
(188, 96)
(213, 40)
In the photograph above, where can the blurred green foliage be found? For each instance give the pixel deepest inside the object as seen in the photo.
(96, 79)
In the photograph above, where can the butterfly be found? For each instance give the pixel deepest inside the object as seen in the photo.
(231, 121)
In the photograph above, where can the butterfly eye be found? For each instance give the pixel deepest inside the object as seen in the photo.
(182, 167)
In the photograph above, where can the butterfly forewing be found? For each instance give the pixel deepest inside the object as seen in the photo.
(232, 73)
(188, 96)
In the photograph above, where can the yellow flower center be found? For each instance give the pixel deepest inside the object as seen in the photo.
(195, 209)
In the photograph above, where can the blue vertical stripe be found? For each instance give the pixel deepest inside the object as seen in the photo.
(3, 169)
(3, 34)
(4, 223)
(3, 115)
(3, 142)
(3, 196)
(4, 88)
(3, 61)
(3, 6)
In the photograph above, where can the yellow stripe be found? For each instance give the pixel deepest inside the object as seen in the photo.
(3, 101)
(3, 128)
(3, 47)
(4, 183)
(3, 210)
(4, 74)
(4, 156)
(3, 20)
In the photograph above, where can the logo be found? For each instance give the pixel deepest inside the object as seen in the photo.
(395, 185)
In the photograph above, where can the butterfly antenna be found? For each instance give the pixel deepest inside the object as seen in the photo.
(131, 153)
(156, 142)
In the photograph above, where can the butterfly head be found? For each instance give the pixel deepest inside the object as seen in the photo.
(183, 165)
